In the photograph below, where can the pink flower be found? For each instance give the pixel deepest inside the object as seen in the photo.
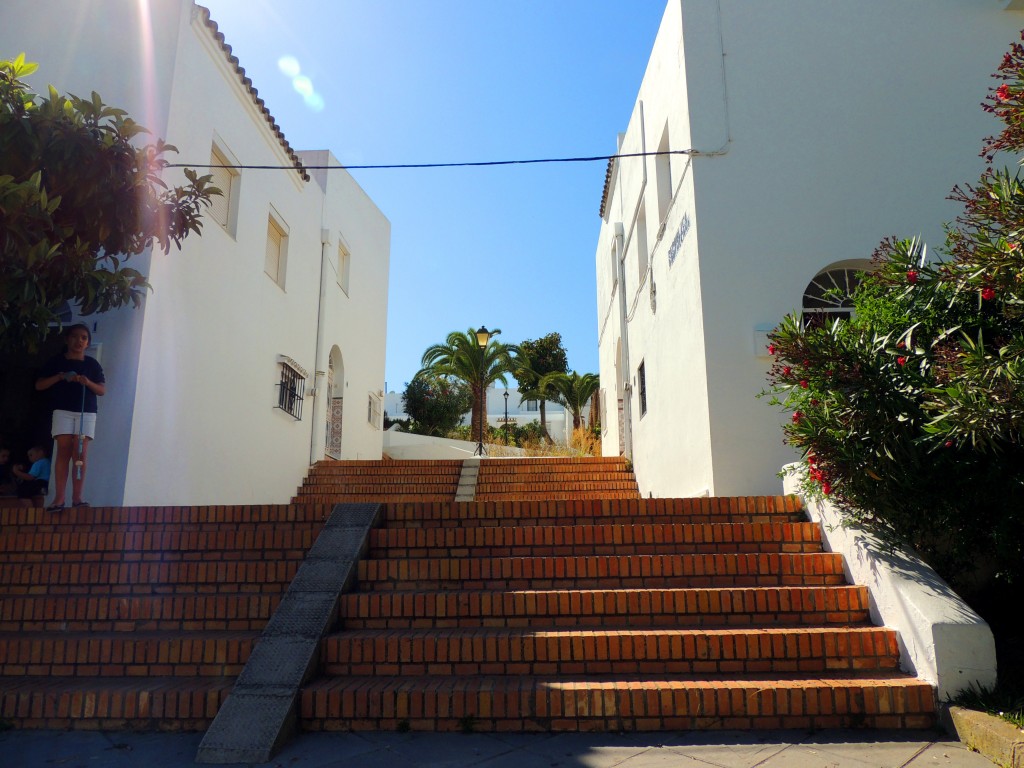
(901, 345)
(901, 360)
(948, 444)
(803, 383)
(912, 276)
(1003, 92)
(771, 349)
(826, 488)
(786, 371)
(988, 294)
(797, 416)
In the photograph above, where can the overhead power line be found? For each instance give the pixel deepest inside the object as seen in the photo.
(476, 164)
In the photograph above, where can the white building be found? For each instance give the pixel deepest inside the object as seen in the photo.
(812, 130)
(558, 420)
(262, 342)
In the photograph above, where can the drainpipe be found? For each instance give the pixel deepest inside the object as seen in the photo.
(621, 244)
(627, 389)
(317, 433)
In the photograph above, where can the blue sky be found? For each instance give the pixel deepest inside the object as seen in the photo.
(422, 81)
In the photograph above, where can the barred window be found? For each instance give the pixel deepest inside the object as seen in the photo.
(291, 389)
(828, 296)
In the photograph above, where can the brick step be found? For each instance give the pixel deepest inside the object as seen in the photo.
(391, 466)
(718, 607)
(540, 487)
(552, 463)
(664, 651)
(215, 576)
(98, 518)
(136, 654)
(39, 613)
(526, 495)
(772, 509)
(262, 542)
(628, 571)
(131, 703)
(681, 538)
(623, 703)
(321, 488)
(568, 540)
(354, 498)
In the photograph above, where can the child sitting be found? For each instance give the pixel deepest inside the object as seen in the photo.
(33, 483)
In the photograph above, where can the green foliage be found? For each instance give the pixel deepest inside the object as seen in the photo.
(435, 405)
(537, 358)
(77, 198)
(461, 358)
(911, 414)
(572, 391)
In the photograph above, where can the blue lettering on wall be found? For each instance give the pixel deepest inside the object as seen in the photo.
(677, 241)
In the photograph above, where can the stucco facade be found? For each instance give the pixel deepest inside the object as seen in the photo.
(292, 277)
(805, 132)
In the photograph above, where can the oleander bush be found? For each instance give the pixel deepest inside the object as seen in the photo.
(910, 414)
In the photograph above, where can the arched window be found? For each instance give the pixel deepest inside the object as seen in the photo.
(827, 297)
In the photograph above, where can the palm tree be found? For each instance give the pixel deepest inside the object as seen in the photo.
(462, 358)
(572, 391)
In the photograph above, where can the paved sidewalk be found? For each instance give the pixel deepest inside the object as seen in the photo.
(723, 749)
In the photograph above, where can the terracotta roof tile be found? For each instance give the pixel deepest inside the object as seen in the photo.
(247, 83)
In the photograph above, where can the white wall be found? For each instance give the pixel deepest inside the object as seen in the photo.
(190, 414)
(839, 124)
(356, 320)
(81, 53)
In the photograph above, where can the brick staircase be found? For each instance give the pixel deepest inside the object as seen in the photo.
(555, 479)
(356, 481)
(604, 613)
(559, 600)
(138, 617)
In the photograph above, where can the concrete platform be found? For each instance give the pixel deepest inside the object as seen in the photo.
(723, 749)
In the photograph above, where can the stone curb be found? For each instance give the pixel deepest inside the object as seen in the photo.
(999, 741)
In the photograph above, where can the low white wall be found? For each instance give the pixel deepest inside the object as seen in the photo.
(942, 640)
(402, 445)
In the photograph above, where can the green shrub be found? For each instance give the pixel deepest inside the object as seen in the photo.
(910, 415)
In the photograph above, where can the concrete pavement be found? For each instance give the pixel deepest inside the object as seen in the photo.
(722, 749)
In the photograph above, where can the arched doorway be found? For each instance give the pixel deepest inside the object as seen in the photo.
(335, 403)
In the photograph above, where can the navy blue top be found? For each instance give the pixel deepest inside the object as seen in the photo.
(67, 395)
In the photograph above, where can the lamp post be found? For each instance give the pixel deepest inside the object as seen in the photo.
(506, 416)
(482, 337)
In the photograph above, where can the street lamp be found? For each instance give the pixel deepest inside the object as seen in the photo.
(506, 416)
(482, 337)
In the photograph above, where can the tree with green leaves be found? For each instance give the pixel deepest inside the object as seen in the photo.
(537, 359)
(461, 357)
(436, 404)
(78, 197)
(572, 391)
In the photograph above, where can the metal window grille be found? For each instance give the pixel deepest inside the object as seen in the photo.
(290, 391)
(828, 296)
(532, 405)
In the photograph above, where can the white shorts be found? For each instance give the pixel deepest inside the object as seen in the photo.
(67, 423)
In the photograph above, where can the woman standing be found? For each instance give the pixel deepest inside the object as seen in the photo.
(74, 381)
